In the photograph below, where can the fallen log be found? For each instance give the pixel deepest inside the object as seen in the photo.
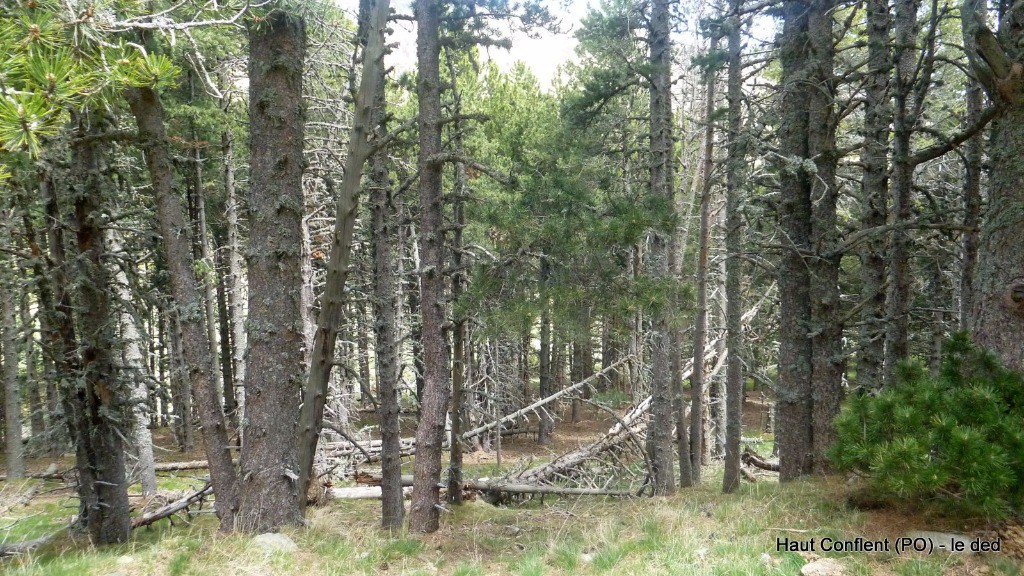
(627, 428)
(631, 425)
(543, 401)
(172, 508)
(178, 466)
(15, 548)
(362, 492)
(485, 485)
(161, 467)
(50, 474)
(751, 459)
(491, 486)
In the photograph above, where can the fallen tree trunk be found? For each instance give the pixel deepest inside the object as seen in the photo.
(161, 467)
(370, 450)
(48, 475)
(628, 427)
(172, 508)
(494, 486)
(485, 485)
(543, 401)
(15, 548)
(364, 492)
(189, 465)
(751, 459)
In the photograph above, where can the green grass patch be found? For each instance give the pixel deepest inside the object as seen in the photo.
(697, 532)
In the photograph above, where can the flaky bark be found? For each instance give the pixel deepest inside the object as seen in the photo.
(972, 154)
(810, 359)
(424, 513)
(793, 433)
(659, 434)
(897, 340)
(99, 402)
(271, 494)
(997, 317)
(875, 191)
(827, 328)
(734, 265)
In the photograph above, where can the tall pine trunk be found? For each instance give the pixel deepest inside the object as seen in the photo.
(424, 512)
(659, 431)
(897, 344)
(700, 331)
(237, 292)
(997, 313)
(793, 433)
(188, 301)
(100, 402)
(15, 450)
(972, 155)
(810, 352)
(270, 491)
(332, 304)
(734, 265)
(875, 192)
(137, 373)
(383, 240)
(827, 328)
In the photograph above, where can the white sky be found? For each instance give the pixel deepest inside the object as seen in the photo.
(542, 55)
(545, 54)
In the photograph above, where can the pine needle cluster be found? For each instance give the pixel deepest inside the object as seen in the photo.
(956, 437)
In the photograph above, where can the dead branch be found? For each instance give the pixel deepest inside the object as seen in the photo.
(15, 548)
(544, 401)
(484, 485)
(497, 486)
(48, 475)
(751, 459)
(628, 427)
(172, 508)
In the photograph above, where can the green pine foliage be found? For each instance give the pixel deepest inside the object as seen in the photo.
(956, 437)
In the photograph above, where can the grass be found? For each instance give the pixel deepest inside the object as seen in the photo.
(697, 532)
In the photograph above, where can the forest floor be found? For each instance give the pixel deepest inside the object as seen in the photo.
(698, 531)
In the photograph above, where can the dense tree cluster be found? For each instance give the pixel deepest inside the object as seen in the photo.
(239, 220)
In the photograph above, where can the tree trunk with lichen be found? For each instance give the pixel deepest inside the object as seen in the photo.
(15, 450)
(804, 87)
(997, 314)
(134, 368)
(384, 244)
(827, 361)
(269, 486)
(148, 110)
(423, 512)
(734, 265)
(659, 432)
(875, 191)
(99, 400)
